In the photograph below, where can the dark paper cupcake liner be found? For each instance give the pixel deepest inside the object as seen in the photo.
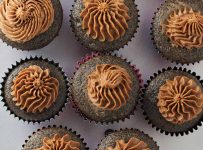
(18, 63)
(154, 43)
(109, 131)
(74, 104)
(142, 98)
(61, 127)
(47, 36)
(115, 49)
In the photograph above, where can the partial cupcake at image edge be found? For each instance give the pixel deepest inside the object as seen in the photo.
(127, 139)
(105, 88)
(177, 31)
(104, 26)
(54, 137)
(30, 24)
(172, 101)
(35, 89)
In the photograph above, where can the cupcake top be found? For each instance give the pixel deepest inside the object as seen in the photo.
(22, 20)
(180, 100)
(132, 143)
(184, 28)
(55, 138)
(59, 143)
(104, 25)
(109, 86)
(30, 89)
(175, 96)
(105, 20)
(106, 88)
(34, 89)
(127, 139)
(178, 30)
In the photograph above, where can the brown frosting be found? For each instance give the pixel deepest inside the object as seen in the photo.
(22, 20)
(180, 100)
(109, 86)
(59, 143)
(185, 28)
(132, 144)
(105, 20)
(34, 89)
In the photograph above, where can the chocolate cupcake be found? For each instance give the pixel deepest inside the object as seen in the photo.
(30, 24)
(105, 88)
(104, 25)
(30, 89)
(178, 30)
(127, 139)
(173, 101)
(53, 137)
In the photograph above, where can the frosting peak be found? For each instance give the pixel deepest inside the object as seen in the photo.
(185, 28)
(109, 86)
(34, 89)
(59, 143)
(22, 20)
(180, 100)
(132, 144)
(105, 20)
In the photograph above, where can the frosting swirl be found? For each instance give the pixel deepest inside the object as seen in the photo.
(185, 28)
(59, 143)
(22, 20)
(132, 144)
(105, 20)
(180, 100)
(34, 89)
(109, 86)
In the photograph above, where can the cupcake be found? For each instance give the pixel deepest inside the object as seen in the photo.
(178, 30)
(55, 138)
(29, 24)
(105, 25)
(127, 139)
(105, 88)
(30, 89)
(173, 101)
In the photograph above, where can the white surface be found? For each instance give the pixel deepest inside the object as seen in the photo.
(66, 50)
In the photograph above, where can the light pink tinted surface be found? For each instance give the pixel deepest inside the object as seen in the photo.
(66, 50)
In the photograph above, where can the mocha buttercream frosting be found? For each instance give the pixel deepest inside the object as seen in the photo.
(22, 20)
(132, 144)
(180, 100)
(34, 89)
(109, 86)
(59, 143)
(105, 20)
(184, 28)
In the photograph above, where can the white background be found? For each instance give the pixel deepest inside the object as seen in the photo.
(66, 50)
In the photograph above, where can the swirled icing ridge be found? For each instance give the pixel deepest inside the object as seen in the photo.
(185, 28)
(105, 20)
(180, 100)
(22, 20)
(132, 144)
(59, 143)
(109, 86)
(34, 89)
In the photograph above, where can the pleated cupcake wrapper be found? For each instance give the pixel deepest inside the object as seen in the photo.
(154, 43)
(87, 48)
(110, 131)
(55, 126)
(85, 59)
(190, 130)
(67, 94)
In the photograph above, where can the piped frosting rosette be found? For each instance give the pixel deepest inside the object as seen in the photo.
(22, 20)
(34, 89)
